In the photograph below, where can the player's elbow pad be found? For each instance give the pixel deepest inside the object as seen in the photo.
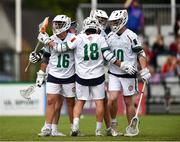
(109, 56)
(45, 60)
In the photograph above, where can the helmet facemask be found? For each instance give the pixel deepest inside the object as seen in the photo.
(101, 16)
(61, 23)
(90, 23)
(103, 22)
(116, 25)
(118, 19)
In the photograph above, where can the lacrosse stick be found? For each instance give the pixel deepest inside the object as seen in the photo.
(92, 13)
(26, 93)
(42, 28)
(133, 126)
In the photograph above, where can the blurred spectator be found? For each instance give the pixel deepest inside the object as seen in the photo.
(169, 68)
(178, 61)
(158, 48)
(135, 14)
(149, 54)
(174, 46)
(155, 76)
(177, 25)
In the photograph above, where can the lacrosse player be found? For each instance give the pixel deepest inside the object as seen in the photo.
(61, 78)
(111, 126)
(90, 50)
(127, 48)
(102, 18)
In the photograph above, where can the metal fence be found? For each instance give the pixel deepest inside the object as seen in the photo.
(164, 97)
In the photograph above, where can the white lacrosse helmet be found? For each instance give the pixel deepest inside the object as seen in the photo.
(118, 19)
(90, 23)
(61, 23)
(101, 16)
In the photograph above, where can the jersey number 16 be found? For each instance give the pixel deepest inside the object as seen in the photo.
(63, 61)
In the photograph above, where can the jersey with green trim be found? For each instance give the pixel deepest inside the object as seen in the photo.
(61, 65)
(125, 47)
(106, 64)
(103, 33)
(88, 55)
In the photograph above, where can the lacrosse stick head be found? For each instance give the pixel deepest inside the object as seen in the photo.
(43, 26)
(26, 93)
(133, 129)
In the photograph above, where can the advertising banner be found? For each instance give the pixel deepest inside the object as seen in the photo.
(12, 103)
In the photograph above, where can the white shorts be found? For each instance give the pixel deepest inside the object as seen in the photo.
(67, 90)
(90, 92)
(129, 86)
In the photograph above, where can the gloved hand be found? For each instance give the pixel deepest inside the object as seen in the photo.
(40, 78)
(34, 57)
(44, 38)
(145, 74)
(128, 68)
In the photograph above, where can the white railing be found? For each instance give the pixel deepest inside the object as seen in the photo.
(157, 18)
(154, 13)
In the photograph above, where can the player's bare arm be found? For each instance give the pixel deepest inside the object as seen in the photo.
(144, 72)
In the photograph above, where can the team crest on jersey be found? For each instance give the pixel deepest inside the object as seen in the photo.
(130, 88)
(73, 89)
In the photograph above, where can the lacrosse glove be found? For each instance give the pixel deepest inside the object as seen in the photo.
(128, 68)
(145, 74)
(34, 57)
(40, 78)
(44, 38)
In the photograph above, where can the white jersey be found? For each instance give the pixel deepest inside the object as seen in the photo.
(61, 65)
(125, 47)
(103, 33)
(88, 56)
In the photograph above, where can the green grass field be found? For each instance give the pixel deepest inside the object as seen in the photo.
(152, 128)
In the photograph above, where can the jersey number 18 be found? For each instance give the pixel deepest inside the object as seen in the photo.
(91, 51)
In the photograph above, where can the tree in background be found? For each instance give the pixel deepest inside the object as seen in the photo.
(67, 7)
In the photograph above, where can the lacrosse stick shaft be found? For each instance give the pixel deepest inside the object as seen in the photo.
(42, 29)
(29, 63)
(139, 103)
